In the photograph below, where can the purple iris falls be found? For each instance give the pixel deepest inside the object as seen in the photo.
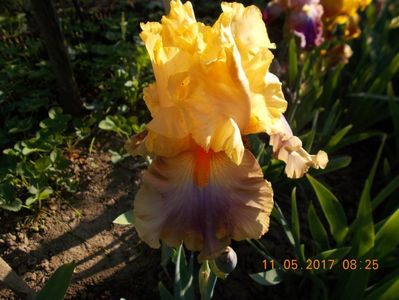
(303, 19)
(307, 25)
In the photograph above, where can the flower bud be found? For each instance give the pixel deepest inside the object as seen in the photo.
(227, 260)
(203, 277)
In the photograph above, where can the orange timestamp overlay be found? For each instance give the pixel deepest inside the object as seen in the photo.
(314, 264)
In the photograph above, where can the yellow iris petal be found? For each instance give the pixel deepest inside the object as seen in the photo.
(251, 39)
(245, 26)
(267, 106)
(212, 83)
(150, 143)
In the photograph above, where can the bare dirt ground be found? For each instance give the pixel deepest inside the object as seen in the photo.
(80, 229)
(111, 262)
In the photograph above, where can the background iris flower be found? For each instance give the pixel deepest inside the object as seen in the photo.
(315, 20)
(344, 12)
(303, 19)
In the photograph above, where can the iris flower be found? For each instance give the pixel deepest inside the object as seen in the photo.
(212, 86)
(303, 19)
(344, 12)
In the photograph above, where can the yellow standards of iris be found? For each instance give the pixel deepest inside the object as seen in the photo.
(212, 86)
(344, 12)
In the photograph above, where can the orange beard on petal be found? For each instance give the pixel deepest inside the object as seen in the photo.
(202, 167)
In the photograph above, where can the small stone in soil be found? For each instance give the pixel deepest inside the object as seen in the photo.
(46, 265)
(53, 206)
(31, 276)
(73, 223)
(22, 238)
(111, 202)
(12, 237)
(66, 217)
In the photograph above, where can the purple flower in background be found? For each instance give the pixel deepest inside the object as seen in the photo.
(306, 23)
(303, 18)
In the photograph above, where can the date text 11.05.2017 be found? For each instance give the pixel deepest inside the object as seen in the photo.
(322, 264)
